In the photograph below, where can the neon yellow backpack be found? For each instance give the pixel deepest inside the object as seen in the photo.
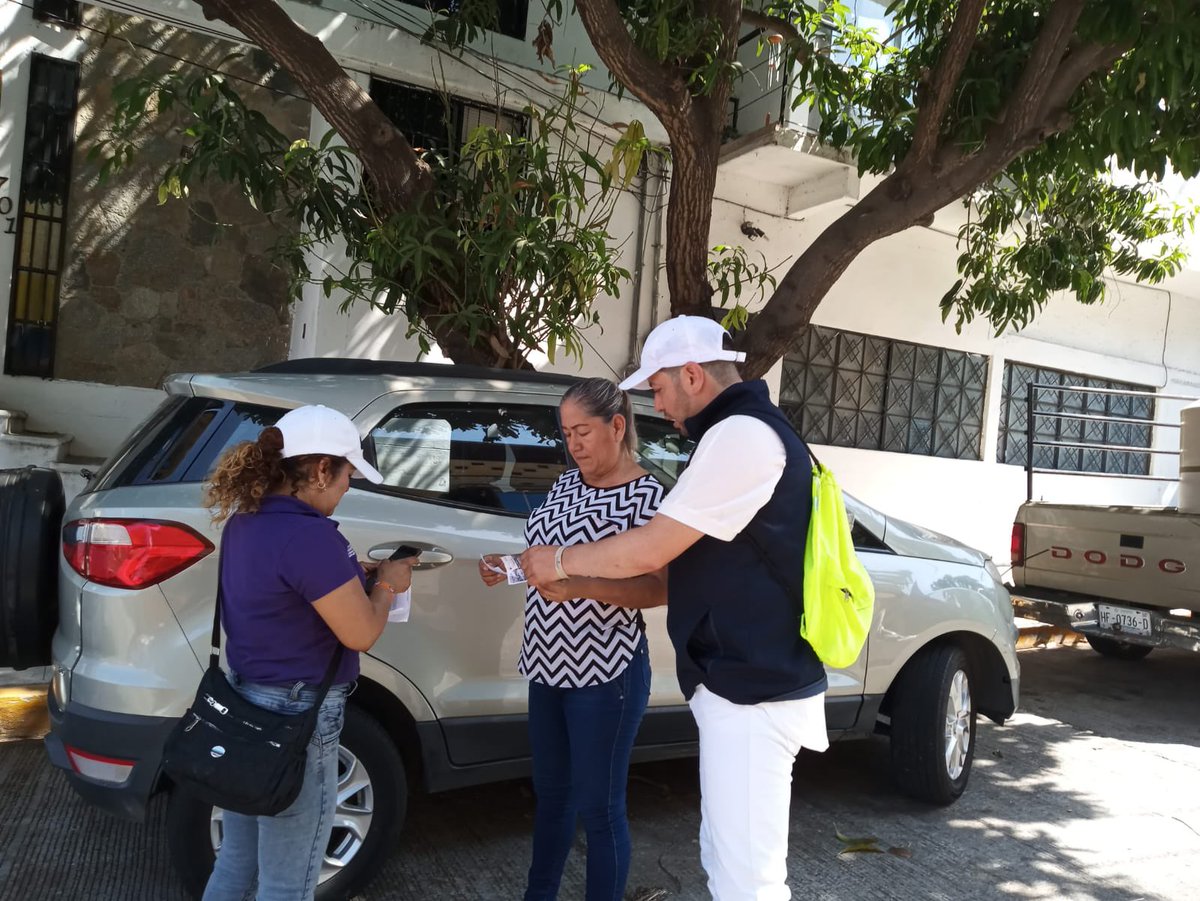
(839, 597)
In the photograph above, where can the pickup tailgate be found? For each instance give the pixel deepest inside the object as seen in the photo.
(1142, 555)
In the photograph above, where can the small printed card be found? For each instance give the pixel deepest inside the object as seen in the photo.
(512, 569)
(401, 606)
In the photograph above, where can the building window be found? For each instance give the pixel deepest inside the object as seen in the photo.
(40, 224)
(62, 12)
(1061, 426)
(853, 390)
(433, 121)
(512, 15)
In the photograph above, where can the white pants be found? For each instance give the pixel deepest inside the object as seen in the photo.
(746, 757)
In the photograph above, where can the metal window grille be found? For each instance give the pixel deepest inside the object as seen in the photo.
(40, 224)
(64, 12)
(1013, 422)
(855, 390)
(437, 122)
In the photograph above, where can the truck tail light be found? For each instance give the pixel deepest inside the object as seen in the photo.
(1018, 544)
(131, 553)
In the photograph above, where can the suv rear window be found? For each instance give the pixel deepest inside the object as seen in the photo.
(182, 442)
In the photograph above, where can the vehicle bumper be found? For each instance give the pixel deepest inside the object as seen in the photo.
(1078, 612)
(101, 736)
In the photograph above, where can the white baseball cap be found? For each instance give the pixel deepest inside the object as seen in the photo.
(320, 430)
(684, 339)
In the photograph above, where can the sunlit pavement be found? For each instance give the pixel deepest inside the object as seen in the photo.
(23, 712)
(1091, 791)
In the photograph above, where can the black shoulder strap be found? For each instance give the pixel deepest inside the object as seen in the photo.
(214, 657)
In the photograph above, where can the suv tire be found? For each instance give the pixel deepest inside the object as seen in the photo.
(31, 512)
(933, 725)
(1119, 650)
(191, 828)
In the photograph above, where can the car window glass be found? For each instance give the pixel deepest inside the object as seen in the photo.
(482, 455)
(183, 442)
(662, 451)
(241, 422)
(864, 539)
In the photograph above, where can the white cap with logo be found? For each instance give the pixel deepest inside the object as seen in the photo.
(684, 339)
(321, 430)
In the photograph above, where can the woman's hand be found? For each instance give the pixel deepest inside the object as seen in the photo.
(397, 573)
(490, 577)
(561, 590)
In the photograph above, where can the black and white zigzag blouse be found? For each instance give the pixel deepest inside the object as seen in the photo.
(583, 642)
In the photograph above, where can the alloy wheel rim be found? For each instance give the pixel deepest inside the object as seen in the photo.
(958, 725)
(351, 818)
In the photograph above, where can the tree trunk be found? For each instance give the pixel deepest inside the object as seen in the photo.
(689, 219)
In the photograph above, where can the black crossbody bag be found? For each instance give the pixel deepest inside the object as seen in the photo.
(235, 754)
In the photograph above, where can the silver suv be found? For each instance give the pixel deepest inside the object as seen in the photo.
(466, 455)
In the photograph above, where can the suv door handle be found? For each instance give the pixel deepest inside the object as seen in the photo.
(431, 557)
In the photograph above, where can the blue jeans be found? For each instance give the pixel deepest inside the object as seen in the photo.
(283, 853)
(582, 739)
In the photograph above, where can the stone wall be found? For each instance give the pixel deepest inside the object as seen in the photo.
(152, 289)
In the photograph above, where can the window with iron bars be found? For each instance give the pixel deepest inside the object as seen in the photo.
(40, 223)
(853, 390)
(438, 122)
(1059, 428)
(63, 12)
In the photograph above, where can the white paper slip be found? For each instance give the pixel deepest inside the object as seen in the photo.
(401, 606)
(512, 569)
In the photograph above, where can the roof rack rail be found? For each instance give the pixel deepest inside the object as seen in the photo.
(356, 366)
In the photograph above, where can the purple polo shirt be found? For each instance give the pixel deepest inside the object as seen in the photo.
(277, 562)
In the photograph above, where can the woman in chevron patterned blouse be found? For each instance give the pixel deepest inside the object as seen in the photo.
(584, 648)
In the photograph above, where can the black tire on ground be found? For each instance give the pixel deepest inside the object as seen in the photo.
(921, 721)
(1120, 650)
(31, 511)
(189, 821)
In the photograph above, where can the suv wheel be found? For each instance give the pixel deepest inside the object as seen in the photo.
(933, 725)
(372, 797)
(1121, 650)
(31, 512)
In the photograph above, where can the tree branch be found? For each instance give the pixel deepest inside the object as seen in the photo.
(773, 25)
(398, 177)
(1025, 104)
(1080, 64)
(945, 79)
(661, 89)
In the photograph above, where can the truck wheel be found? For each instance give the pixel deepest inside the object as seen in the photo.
(372, 800)
(933, 725)
(31, 512)
(1121, 650)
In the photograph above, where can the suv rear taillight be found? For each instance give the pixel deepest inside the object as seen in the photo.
(131, 553)
(1018, 544)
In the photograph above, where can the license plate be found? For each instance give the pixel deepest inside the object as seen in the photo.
(1123, 619)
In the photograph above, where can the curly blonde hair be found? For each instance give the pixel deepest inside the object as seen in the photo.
(248, 472)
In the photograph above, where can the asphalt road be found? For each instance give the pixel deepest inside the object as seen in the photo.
(1091, 791)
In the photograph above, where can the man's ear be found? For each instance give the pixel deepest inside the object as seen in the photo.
(692, 377)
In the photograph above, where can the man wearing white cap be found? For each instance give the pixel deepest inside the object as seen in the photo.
(732, 533)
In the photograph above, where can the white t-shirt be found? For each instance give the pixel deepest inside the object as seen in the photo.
(732, 474)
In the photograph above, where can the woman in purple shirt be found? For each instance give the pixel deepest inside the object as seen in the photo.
(294, 591)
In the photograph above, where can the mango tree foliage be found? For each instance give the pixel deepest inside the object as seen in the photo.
(1020, 108)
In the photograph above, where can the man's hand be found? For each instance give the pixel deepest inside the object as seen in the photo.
(538, 563)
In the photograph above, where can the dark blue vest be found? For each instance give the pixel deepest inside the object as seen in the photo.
(735, 628)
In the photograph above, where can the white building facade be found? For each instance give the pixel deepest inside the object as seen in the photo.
(111, 292)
